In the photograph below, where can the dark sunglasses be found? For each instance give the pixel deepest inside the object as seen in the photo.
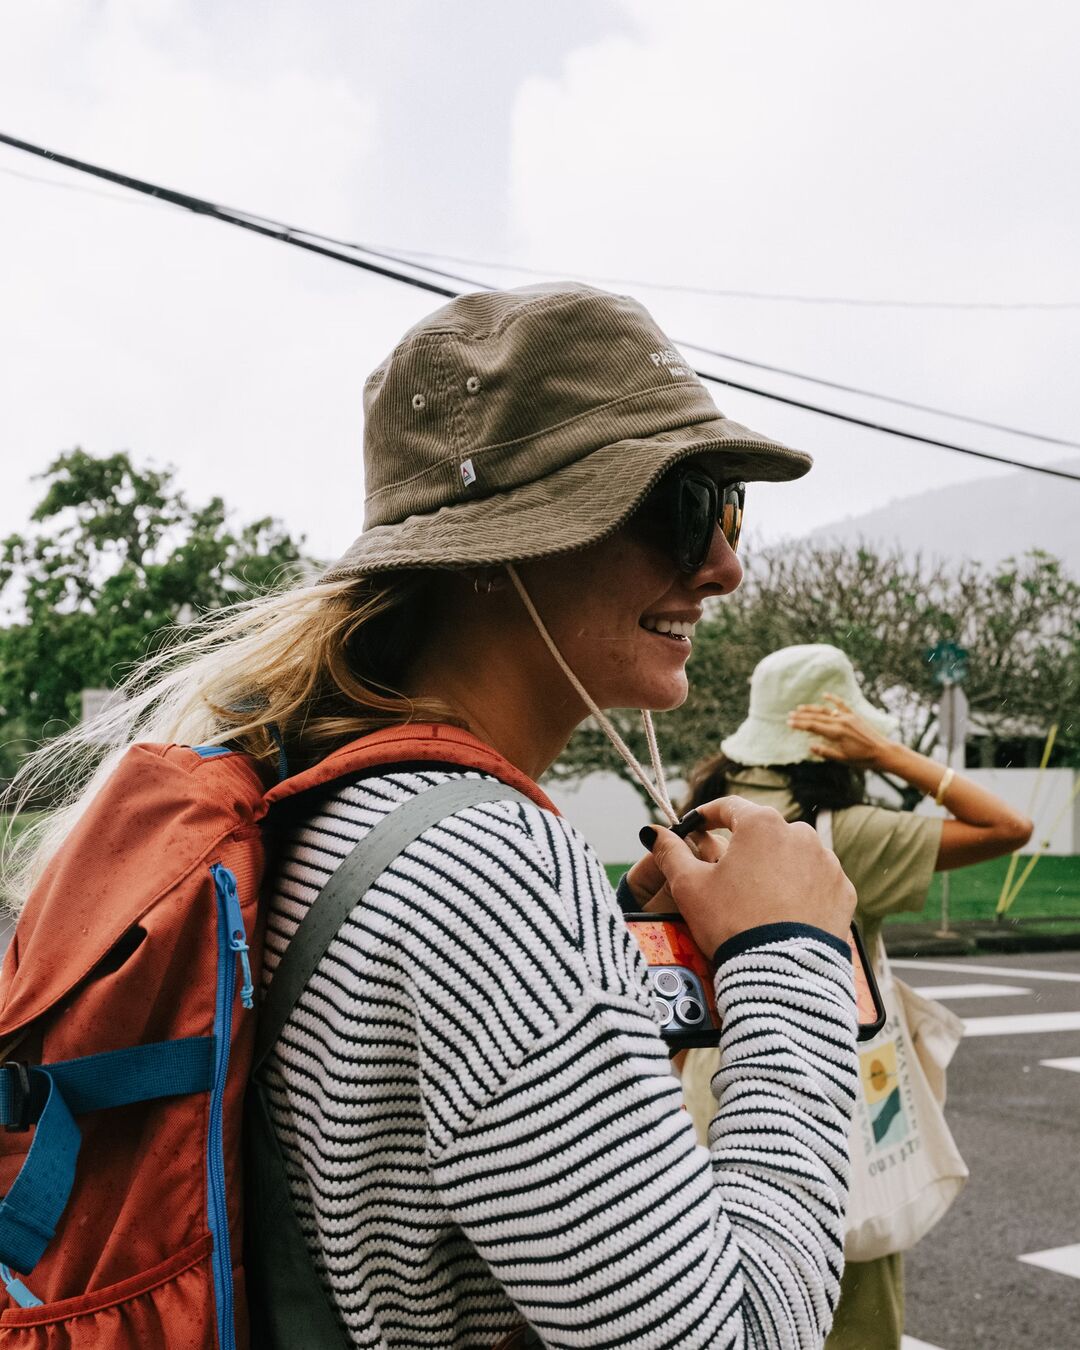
(689, 505)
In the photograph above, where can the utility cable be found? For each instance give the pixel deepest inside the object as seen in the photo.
(245, 220)
(785, 297)
(402, 256)
(301, 238)
(890, 431)
(884, 398)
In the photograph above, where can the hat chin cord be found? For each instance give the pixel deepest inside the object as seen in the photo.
(657, 790)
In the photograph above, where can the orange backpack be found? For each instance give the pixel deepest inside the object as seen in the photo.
(127, 1029)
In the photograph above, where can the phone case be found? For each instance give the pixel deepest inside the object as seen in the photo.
(681, 982)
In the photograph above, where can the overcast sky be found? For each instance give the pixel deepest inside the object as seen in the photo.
(924, 152)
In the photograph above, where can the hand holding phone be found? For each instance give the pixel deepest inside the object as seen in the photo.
(681, 982)
(769, 872)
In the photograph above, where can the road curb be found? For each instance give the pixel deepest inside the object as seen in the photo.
(913, 940)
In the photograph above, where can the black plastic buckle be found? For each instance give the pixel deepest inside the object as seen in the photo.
(20, 1097)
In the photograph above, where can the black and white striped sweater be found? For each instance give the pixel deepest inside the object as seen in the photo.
(479, 1117)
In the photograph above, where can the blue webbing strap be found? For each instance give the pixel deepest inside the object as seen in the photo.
(32, 1207)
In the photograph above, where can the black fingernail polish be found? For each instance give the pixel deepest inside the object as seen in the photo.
(647, 835)
(693, 820)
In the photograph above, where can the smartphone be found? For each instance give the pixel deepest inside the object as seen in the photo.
(683, 993)
(680, 979)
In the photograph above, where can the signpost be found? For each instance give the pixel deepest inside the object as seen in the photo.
(949, 663)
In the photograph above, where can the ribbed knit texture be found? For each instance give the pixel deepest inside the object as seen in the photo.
(478, 1114)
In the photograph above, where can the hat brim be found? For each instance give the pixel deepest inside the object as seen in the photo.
(575, 506)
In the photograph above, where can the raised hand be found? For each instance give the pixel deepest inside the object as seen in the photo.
(843, 736)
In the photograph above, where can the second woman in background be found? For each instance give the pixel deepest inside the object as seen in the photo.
(805, 749)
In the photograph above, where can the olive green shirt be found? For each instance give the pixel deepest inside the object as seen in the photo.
(889, 856)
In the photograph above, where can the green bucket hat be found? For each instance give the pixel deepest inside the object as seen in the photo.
(780, 682)
(518, 424)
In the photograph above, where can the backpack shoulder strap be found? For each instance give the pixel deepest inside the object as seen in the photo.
(354, 875)
(823, 825)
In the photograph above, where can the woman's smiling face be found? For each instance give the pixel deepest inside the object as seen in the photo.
(623, 615)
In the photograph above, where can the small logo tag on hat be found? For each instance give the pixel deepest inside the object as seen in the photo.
(672, 361)
(468, 473)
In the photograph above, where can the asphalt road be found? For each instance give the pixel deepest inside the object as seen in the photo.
(1016, 1119)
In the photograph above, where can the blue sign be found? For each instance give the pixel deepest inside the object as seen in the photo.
(948, 661)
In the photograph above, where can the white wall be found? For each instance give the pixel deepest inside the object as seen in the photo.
(609, 812)
(1042, 796)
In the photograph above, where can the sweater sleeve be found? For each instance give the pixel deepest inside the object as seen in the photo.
(575, 1172)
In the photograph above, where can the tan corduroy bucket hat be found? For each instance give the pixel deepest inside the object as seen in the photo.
(518, 424)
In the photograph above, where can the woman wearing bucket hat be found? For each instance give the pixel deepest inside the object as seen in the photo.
(804, 748)
(471, 1094)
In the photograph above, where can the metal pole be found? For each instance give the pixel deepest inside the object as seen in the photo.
(944, 930)
(947, 696)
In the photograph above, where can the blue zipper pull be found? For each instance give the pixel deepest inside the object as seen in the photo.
(225, 883)
(18, 1291)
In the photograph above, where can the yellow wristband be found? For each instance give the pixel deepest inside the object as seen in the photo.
(943, 786)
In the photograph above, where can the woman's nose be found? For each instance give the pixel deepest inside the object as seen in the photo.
(721, 572)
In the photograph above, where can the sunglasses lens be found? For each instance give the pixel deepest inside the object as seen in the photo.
(731, 513)
(697, 519)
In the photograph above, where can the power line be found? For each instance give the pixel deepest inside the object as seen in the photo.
(402, 256)
(885, 398)
(71, 187)
(289, 234)
(731, 293)
(406, 255)
(891, 431)
(245, 220)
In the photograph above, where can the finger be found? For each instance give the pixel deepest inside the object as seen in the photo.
(661, 903)
(644, 880)
(672, 855)
(825, 750)
(710, 847)
(835, 698)
(723, 813)
(819, 725)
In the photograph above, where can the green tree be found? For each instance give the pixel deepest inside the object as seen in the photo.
(1019, 621)
(115, 558)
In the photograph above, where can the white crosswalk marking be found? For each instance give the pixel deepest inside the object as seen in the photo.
(971, 967)
(1022, 1024)
(1062, 1260)
(1072, 1065)
(948, 991)
(910, 1343)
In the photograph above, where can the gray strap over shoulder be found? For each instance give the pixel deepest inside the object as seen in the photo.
(824, 828)
(339, 897)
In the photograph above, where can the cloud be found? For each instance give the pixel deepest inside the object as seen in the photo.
(840, 148)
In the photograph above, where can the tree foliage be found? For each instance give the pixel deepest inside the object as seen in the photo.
(115, 558)
(1019, 621)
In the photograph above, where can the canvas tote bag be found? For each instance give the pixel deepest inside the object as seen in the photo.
(905, 1167)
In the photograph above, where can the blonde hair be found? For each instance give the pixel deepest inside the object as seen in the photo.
(296, 673)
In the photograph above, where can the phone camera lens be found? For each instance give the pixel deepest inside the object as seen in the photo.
(663, 1012)
(666, 982)
(690, 1011)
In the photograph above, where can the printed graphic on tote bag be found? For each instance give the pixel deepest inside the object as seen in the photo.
(881, 1089)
